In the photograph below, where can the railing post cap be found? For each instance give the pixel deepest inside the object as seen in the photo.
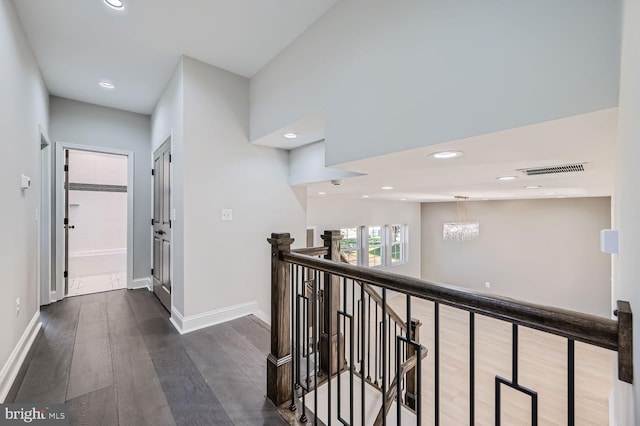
(331, 235)
(279, 239)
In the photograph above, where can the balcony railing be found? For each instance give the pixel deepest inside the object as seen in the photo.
(340, 354)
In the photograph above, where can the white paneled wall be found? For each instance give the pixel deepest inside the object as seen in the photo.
(98, 241)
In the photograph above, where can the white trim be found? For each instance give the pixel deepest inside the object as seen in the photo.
(12, 366)
(44, 222)
(142, 283)
(59, 200)
(263, 316)
(196, 322)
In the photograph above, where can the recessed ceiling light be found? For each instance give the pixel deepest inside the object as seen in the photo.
(533, 187)
(506, 178)
(443, 155)
(290, 135)
(322, 193)
(549, 193)
(115, 4)
(365, 196)
(106, 84)
(403, 199)
(386, 187)
(560, 196)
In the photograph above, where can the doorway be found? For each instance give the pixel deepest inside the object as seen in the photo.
(94, 210)
(161, 222)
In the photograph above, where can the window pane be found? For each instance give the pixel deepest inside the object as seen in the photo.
(349, 244)
(375, 245)
(396, 233)
(396, 253)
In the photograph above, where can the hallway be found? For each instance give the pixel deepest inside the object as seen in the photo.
(116, 360)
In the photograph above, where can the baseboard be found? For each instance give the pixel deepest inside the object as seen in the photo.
(196, 322)
(142, 283)
(262, 316)
(13, 364)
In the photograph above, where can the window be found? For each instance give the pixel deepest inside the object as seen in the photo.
(349, 244)
(375, 248)
(397, 240)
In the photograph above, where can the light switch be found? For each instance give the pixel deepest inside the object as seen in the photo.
(227, 215)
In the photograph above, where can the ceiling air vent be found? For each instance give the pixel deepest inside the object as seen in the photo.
(549, 170)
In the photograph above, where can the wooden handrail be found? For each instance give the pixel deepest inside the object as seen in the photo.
(378, 299)
(393, 389)
(581, 327)
(311, 251)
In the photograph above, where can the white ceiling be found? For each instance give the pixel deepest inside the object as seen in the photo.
(79, 42)
(416, 176)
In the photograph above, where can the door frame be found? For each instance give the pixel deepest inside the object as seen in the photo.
(59, 217)
(44, 218)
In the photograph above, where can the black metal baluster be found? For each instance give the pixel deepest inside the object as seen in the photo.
(514, 354)
(368, 336)
(398, 388)
(314, 331)
(419, 386)
(384, 353)
(571, 408)
(376, 345)
(436, 347)
(362, 343)
(294, 288)
(328, 299)
(472, 368)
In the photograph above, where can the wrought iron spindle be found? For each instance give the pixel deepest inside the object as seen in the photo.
(571, 390)
(472, 368)
(436, 355)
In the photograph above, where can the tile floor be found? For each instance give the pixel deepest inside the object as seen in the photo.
(97, 283)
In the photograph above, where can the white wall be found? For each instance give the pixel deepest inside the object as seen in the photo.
(307, 165)
(627, 204)
(398, 75)
(91, 125)
(540, 251)
(167, 120)
(23, 107)
(327, 214)
(228, 263)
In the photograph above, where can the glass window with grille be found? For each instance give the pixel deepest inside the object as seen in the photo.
(375, 246)
(397, 241)
(349, 244)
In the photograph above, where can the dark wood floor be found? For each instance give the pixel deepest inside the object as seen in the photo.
(115, 359)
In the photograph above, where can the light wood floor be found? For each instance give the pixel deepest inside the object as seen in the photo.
(542, 368)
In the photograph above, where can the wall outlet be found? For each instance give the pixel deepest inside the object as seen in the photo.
(17, 306)
(227, 215)
(487, 284)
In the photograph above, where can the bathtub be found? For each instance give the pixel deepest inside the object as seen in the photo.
(97, 262)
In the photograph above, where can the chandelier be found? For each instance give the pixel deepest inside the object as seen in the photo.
(462, 230)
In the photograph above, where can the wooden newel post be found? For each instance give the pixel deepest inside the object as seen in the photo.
(625, 341)
(412, 383)
(279, 359)
(329, 334)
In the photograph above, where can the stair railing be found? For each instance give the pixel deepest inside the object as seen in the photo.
(324, 336)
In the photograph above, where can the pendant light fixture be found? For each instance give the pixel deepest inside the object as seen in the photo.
(462, 230)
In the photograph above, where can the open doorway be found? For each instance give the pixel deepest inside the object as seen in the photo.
(96, 225)
(94, 220)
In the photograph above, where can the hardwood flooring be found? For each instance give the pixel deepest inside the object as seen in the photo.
(542, 368)
(115, 359)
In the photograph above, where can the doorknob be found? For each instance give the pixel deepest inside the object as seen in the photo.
(72, 227)
(161, 232)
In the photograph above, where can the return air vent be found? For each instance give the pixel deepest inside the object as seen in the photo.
(563, 168)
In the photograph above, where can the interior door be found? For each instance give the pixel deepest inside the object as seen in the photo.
(161, 271)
